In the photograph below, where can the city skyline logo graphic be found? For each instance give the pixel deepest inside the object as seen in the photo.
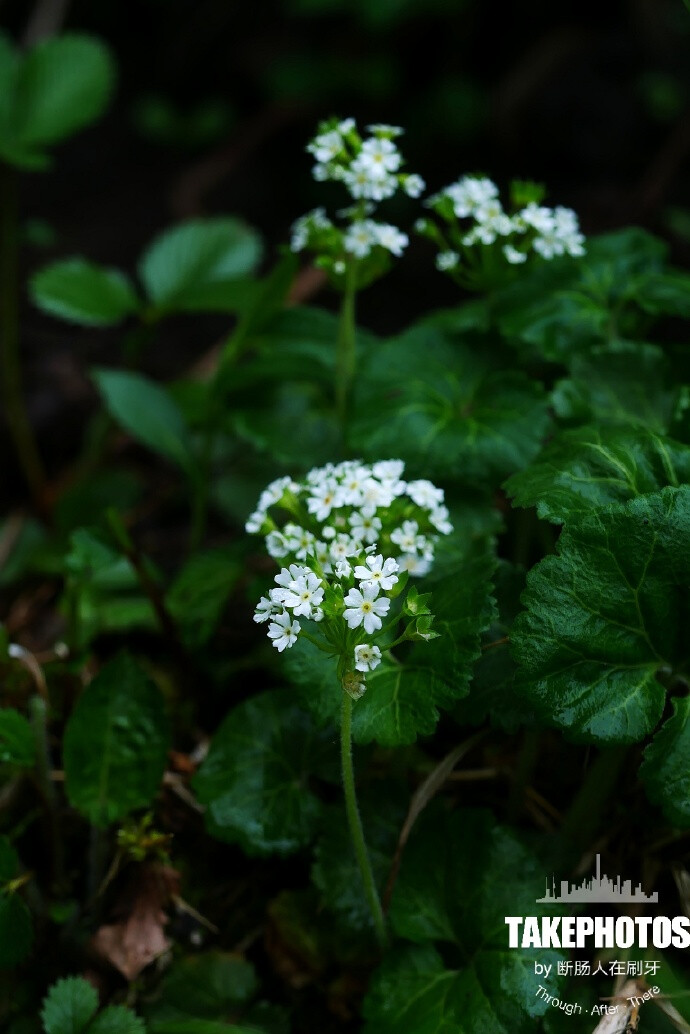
(596, 890)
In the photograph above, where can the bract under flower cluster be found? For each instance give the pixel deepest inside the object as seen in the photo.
(354, 533)
(473, 214)
(369, 167)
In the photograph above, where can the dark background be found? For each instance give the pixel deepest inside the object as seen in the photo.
(216, 101)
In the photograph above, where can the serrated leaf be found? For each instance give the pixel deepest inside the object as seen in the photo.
(69, 1006)
(116, 743)
(17, 743)
(442, 406)
(493, 988)
(593, 466)
(83, 292)
(624, 383)
(200, 592)
(665, 771)
(254, 780)
(604, 615)
(199, 265)
(117, 1019)
(147, 411)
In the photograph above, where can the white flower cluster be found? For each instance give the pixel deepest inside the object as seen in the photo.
(533, 227)
(370, 169)
(354, 533)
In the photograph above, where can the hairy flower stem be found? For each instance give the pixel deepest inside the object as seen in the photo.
(10, 367)
(346, 355)
(38, 710)
(355, 822)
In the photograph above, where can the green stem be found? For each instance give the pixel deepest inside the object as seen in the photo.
(17, 419)
(346, 349)
(355, 822)
(38, 710)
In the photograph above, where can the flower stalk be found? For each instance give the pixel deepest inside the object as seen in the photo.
(355, 822)
(346, 348)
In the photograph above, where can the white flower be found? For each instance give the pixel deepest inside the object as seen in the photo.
(364, 608)
(439, 519)
(283, 631)
(343, 569)
(378, 574)
(390, 238)
(255, 522)
(359, 181)
(276, 545)
(360, 237)
(346, 126)
(447, 260)
(513, 256)
(388, 469)
(326, 146)
(413, 185)
(343, 547)
(425, 494)
(322, 500)
(379, 156)
(406, 536)
(414, 564)
(305, 594)
(364, 528)
(537, 216)
(264, 610)
(367, 657)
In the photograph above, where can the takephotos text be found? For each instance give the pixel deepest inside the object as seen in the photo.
(598, 931)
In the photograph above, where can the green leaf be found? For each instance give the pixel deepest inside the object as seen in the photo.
(460, 877)
(116, 743)
(199, 266)
(148, 413)
(604, 616)
(624, 383)
(83, 292)
(60, 86)
(441, 405)
(117, 1019)
(492, 694)
(200, 592)
(210, 986)
(17, 743)
(666, 293)
(16, 930)
(593, 466)
(69, 1006)
(665, 771)
(335, 872)
(254, 781)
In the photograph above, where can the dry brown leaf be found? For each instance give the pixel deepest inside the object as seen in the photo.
(138, 937)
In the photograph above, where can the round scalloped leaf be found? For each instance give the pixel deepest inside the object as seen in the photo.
(441, 405)
(255, 780)
(604, 615)
(593, 466)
